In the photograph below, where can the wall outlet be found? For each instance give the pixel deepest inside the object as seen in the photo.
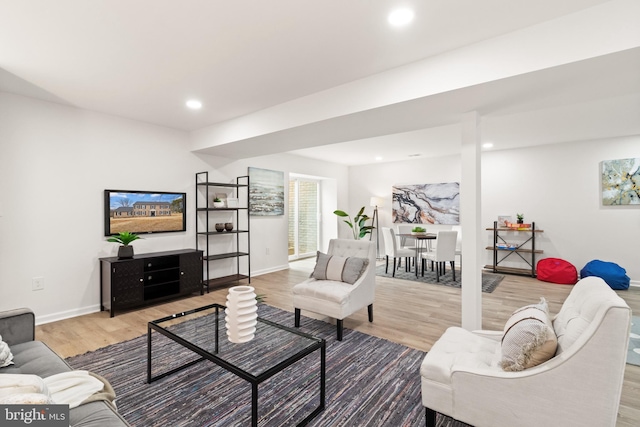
(37, 283)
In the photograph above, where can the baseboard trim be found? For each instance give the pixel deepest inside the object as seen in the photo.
(269, 270)
(54, 317)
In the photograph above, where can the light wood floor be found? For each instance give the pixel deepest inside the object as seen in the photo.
(410, 313)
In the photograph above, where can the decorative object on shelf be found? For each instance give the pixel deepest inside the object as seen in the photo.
(358, 224)
(520, 218)
(241, 314)
(266, 192)
(125, 239)
(503, 220)
(218, 203)
(233, 202)
(509, 246)
(219, 227)
(418, 231)
(228, 226)
(518, 226)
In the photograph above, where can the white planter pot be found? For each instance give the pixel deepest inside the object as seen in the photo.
(241, 314)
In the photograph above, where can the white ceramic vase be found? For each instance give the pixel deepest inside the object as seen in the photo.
(241, 314)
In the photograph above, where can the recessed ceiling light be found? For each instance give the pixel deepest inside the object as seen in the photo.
(400, 17)
(487, 145)
(378, 158)
(194, 104)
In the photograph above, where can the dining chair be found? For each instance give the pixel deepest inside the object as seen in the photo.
(391, 249)
(458, 242)
(406, 242)
(445, 252)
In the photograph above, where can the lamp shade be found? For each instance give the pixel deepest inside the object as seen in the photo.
(376, 201)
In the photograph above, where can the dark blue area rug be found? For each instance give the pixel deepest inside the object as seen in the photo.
(369, 382)
(490, 281)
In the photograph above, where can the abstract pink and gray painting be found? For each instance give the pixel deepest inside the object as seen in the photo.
(426, 203)
(621, 182)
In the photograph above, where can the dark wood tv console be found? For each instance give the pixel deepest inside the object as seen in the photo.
(149, 278)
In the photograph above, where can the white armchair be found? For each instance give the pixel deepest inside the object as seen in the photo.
(579, 386)
(335, 298)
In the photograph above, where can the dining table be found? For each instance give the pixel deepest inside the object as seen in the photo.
(421, 243)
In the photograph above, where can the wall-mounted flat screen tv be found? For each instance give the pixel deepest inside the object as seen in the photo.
(144, 212)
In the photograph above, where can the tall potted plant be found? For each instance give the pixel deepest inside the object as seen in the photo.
(125, 238)
(358, 226)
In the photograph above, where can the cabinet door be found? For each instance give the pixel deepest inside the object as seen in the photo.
(127, 283)
(191, 272)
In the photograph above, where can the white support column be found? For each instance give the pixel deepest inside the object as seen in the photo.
(470, 210)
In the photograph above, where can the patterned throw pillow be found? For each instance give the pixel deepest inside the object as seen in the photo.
(341, 269)
(6, 358)
(529, 338)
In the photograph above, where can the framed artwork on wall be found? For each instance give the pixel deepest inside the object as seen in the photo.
(426, 203)
(266, 192)
(621, 182)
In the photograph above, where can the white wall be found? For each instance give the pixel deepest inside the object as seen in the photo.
(270, 233)
(557, 186)
(56, 162)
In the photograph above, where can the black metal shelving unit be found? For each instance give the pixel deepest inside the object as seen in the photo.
(527, 247)
(206, 218)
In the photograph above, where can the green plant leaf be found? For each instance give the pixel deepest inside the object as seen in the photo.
(340, 213)
(124, 238)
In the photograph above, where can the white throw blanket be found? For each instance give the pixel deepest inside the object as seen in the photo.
(70, 388)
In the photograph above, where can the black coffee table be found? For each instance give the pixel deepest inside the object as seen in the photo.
(274, 348)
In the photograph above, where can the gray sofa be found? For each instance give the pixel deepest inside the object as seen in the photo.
(17, 328)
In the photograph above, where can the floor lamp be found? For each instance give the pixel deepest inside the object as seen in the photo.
(375, 202)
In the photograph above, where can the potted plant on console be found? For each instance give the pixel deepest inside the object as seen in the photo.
(125, 238)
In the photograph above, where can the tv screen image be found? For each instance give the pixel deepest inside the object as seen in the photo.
(144, 211)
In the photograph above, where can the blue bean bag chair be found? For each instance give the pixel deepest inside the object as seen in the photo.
(615, 276)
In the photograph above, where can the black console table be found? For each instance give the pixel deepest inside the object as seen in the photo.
(148, 278)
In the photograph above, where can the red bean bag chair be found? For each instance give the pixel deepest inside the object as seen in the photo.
(556, 270)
